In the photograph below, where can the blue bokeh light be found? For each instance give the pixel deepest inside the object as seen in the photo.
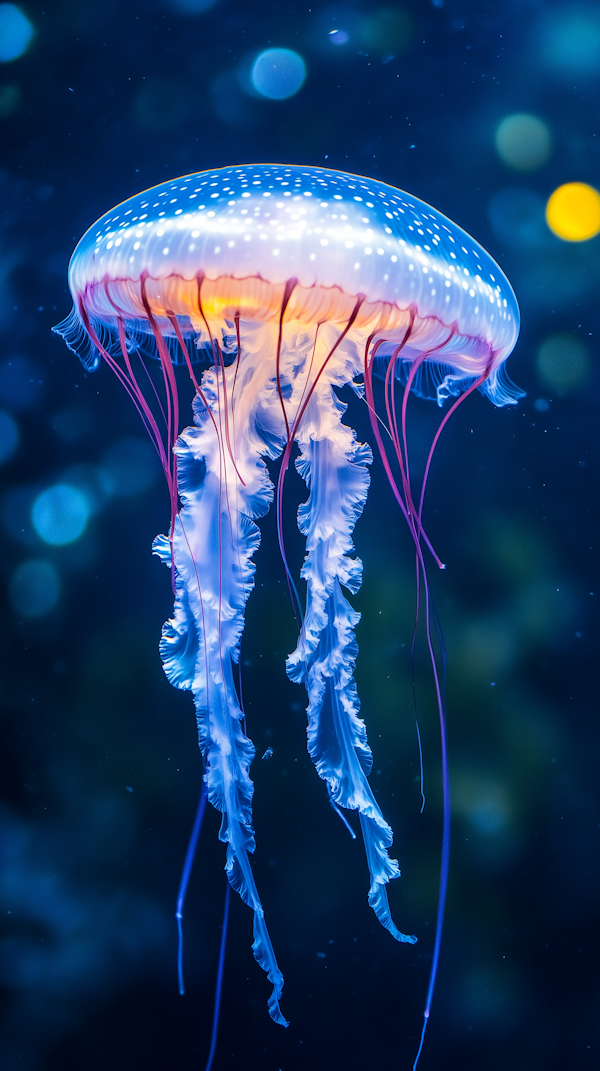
(60, 514)
(339, 37)
(34, 588)
(9, 436)
(16, 32)
(278, 73)
(90, 480)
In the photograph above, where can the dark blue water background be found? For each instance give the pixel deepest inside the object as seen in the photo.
(100, 766)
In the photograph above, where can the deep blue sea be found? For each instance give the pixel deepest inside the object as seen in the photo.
(483, 109)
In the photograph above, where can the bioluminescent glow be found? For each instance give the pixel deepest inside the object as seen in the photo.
(573, 212)
(59, 514)
(278, 73)
(288, 283)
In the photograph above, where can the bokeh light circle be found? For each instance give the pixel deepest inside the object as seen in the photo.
(573, 212)
(386, 32)
(571, 41)
(10, 99)
(90, 481)
(34, 588)
(59, 514)
(562, 362)
(16, 32)
(9, 436)
(278, 73)
(339, 37)
(523, 141)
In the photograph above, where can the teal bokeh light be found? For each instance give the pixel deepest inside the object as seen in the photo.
(16, 32)
(278, 73)
(571, 41)
(60, 514)
(34, 588)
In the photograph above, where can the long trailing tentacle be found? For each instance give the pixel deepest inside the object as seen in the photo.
(184, 882)
(219, 985)
(414, 518)
(334, 467)
(213, 542)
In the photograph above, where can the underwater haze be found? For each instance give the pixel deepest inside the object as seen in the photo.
(486, 111)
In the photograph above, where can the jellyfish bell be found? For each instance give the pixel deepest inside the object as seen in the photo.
(289, 283)
(245, 233)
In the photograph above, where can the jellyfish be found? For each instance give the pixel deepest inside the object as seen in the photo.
(274, 287)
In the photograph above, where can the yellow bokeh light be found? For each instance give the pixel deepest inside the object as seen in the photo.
(573, 212)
